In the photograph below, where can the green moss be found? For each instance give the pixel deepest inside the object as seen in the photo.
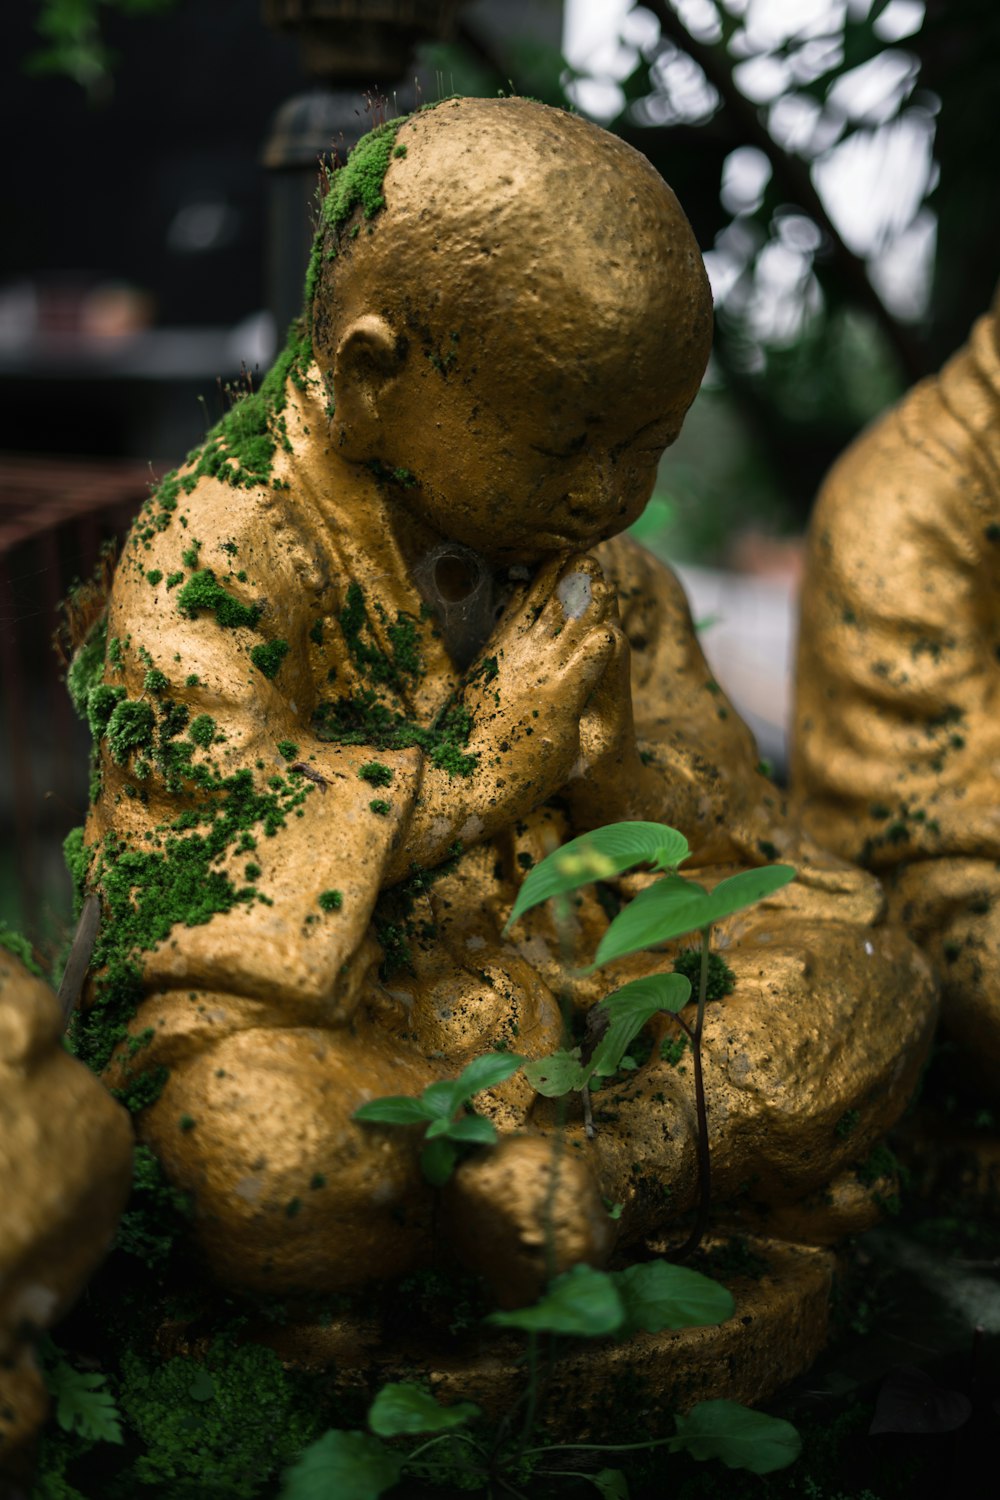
(721, 978)
(366, 720)
(189, 557)
(396, 925)
(155, 682)
(221, 1428)
(847, 1124)
(356, 184)
(173, 579)
(116, 658)
(154, 575)
(157, 1216)
(145, 893)
(330, 900)
(87, 667)
(203, 731)
(268, 658)
(77, 857)
(316, 633)
(19, 946)
(379, 806)
(288, 750)
(203, 592)
(375, 773)
(129, 728)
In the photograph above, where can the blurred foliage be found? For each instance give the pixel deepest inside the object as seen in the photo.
(73, 43)
(798, 367)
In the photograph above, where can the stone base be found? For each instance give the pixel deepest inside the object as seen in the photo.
(779, 1327)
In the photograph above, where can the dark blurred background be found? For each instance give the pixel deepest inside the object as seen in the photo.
(836, 158)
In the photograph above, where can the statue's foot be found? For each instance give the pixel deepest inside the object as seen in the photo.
(526, 1211)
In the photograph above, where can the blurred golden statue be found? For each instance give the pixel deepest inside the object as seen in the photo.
(369, 656)
(897, 752)
(65, 1158)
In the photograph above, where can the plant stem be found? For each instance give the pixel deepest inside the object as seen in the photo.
(694, 1239)
(462, 1437)
(529, 1416)
(598, 1447)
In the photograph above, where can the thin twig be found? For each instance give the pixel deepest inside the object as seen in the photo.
(75, 972)
(694, 1239)
(793, 173)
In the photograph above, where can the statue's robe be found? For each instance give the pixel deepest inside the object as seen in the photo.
(897, 736)
(275, 1018)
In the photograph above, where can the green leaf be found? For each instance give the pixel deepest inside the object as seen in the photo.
(437, 1161)
(348, 1465)
(394, 1110)
(611, 1483)
(664, 911)
(404, 1407)
(487, 1071)
(441, 1100)
(556, 1075)
(581, 1301)
(84, 1404)
(656, 1294)
(741, 1438)
(471, 1130)
(629, 1008)
(600, 855)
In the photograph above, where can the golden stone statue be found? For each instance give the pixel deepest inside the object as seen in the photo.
(65, 1158)
(897, 744)
(370, 655)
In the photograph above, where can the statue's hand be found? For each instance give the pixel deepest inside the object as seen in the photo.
(526, 698)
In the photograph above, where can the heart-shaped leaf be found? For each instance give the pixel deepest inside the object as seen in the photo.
(406, 1408)
(556, 1075)
(350, 1465)
(610, 1483)
(671, 908)
(629, 1008)
(738, 1437)
(581, 1301)
(600, 855)
(658, 1295)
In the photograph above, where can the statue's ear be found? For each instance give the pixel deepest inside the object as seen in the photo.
(369, 357)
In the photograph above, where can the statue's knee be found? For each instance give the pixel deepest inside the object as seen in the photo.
(288, 1189)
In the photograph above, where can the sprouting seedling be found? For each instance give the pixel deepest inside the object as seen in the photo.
(670, 908)
(445, 1109)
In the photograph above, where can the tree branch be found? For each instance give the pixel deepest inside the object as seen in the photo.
(793, 174)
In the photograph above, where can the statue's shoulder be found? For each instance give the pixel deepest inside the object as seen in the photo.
(639, 577)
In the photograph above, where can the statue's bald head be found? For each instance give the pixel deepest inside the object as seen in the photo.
(507, 221)
(516, 263)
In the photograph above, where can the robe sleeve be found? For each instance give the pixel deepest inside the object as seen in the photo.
(251, 879)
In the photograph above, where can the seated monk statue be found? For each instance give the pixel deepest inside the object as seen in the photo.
(897, 753)
(65, 1160)
(368, 656)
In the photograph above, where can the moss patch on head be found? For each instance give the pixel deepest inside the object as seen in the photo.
(356, 184)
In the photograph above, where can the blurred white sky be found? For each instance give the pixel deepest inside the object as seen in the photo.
(872, 179)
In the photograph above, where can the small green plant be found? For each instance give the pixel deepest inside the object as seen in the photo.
(461, 1450)
(670, 908)
(444, 1108)
(583, 1302)
(83, 1403)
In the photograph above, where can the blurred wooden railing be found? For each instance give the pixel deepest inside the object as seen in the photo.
(55, 516)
